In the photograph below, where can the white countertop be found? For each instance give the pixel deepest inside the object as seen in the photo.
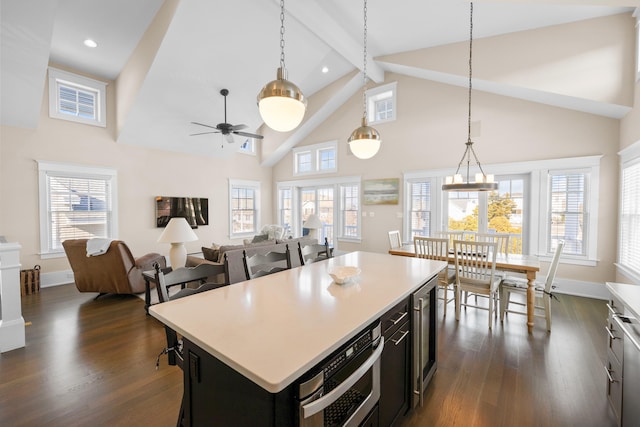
(275, 328)
(628, 294)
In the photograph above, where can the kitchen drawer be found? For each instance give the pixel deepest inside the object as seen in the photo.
(614, 333)
(614, 384)
(394, 318)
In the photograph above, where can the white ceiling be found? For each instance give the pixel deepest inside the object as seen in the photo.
(211, 45)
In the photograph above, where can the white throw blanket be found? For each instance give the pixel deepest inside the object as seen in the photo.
(97, 246)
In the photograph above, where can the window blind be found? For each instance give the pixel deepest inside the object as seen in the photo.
(420, 209)
(568, 215)
(629, 237)
(77, 102)
(349, 210)
(77, 208)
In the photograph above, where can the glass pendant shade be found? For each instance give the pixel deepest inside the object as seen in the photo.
(281, 103)
(364, 141)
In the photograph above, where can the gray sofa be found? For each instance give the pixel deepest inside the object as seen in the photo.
(216, 255)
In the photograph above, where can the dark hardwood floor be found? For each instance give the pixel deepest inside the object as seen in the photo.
(92, 363)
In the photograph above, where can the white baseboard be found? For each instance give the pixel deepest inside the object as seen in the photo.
(581, 289)
(56, 278)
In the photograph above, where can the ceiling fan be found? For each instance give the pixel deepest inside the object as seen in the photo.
(226, 129)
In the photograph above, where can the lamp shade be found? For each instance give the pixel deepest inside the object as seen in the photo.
(281, 104)
(177, 231)
(313, 222)
(364, 141)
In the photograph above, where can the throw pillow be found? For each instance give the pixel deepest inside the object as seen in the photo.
(211, 253)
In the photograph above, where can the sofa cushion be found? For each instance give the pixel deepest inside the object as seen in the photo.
(212, 253)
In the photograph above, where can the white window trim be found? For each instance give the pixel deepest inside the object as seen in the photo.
(538, 197)
(337, 182)
(628, 156)
(252, 147)
(315, 158)
(57, 76)
(241, 183)
(44, 168)
(374, 94)
(636, 14)
(435, 197)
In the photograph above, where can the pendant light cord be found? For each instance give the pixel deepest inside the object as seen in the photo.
(364, 68)
(470, 69)
(282, 34)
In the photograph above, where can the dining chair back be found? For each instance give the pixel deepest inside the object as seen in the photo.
(475, 273)
(394, 239)
(501, 240)
(166, 278)
(437, 249)
(313, 252)
(262, 264)
(451, 236)
(542, 290)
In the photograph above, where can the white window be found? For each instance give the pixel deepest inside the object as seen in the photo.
(317, 158)
(629, 220)
(636, 13)
(75, 202)
(248, 146)
(537, 203)
(244, 208)
(381, 103)
(336, 201)
(419, 201)
(76, 98)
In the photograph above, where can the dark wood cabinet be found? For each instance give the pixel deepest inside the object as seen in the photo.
(395, 385)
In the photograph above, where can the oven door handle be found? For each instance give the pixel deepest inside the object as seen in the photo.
(327, 400)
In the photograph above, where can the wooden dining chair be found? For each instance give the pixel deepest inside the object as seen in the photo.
(394, 239)
(262, 264)
(167, 278)
(543, 291)
(437, 249)
(313, 252)
(475, 273)
(501, 240)
(451, 236)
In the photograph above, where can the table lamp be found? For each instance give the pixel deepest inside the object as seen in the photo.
(177, 232)
(313, 223)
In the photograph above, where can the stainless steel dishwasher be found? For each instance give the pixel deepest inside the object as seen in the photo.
(630, 370)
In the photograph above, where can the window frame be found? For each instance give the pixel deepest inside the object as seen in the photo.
(58, 78)
(629, 157)
(338, 183)
(377, 94)
(636, 14)
(536, 223)
(315, 158)
(249, 185)
(47, 169)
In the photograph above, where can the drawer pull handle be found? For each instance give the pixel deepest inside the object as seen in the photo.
(402, 316)
(610, 332)
(612, 309)
(399, 340)
(608, 371)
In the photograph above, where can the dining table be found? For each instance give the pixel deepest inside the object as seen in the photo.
(528, 265)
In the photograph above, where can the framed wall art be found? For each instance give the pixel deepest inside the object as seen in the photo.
(381, 191)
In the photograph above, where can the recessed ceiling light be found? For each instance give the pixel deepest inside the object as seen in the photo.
(325, 69)
(90, 43)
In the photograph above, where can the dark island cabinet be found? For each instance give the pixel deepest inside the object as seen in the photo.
(395, 385)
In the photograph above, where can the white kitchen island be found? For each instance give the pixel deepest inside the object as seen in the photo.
(273, 329)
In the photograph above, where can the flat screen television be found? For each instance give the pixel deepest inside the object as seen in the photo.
(194, 209)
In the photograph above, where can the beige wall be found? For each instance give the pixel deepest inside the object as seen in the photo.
(142, 175)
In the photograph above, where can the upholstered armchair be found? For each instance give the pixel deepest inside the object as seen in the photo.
(114, 272)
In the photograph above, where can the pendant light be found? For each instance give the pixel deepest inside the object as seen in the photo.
(365, 140)
(281, 103)
(482, 181)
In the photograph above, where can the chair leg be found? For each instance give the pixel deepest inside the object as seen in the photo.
(547, 310)
(491, 296)
(444, 310)
(504, 299)
(457, 291)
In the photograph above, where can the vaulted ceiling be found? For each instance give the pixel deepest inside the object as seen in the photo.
(190, 49)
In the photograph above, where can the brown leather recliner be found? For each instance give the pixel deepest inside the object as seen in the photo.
(114, 272)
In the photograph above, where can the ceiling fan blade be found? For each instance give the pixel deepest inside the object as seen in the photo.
(229, 138)
(202, 124)
(203, 133)
(237, 127)
(249, 135)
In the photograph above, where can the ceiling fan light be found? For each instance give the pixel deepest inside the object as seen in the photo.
(364, 141)
(281, 104)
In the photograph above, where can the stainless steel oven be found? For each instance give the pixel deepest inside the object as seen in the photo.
(345, 387)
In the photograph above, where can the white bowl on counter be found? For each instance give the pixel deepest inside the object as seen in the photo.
(344, 274)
